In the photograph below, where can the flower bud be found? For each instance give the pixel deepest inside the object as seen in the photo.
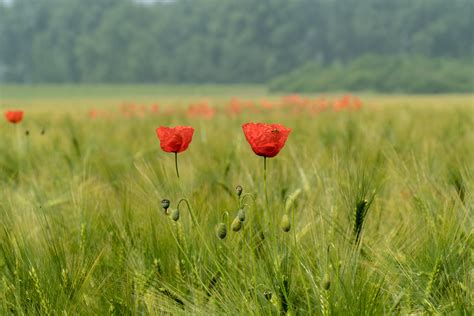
(221, 230)
(236, 224)
(239, 190)
(241, 215)
(268, 295)
(175, 215)
(285, 223)
(326, 282)
(165, 203)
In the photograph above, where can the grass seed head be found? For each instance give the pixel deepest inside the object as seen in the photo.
(359, 216)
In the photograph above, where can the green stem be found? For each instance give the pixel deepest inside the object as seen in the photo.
(265, 182)
(270, 220)
(176, 163)
(189, 210)
(19, 147)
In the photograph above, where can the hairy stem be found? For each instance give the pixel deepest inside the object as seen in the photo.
(176, 163)
(189, 210)
(265, 182)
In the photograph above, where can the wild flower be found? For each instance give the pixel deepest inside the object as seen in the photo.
(175, 140)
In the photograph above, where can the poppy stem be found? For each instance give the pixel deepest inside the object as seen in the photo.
(189, 210)
(19, 145)
(176, 163)
(265, 181)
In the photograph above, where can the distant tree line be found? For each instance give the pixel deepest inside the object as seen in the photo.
(218, 40)
(388, 74)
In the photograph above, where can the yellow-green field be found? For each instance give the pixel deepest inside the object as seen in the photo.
(83, 230)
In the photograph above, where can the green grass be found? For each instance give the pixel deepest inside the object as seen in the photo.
(23, 92)
(83, 231)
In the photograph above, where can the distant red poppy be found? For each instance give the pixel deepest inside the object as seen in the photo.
(266, 139)
(155, 108)
(356, 103)
(201, 109)
(175, 139)
(14, 116)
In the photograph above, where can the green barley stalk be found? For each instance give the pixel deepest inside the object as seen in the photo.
(43, 300)
(324, 296)
(433, 279)
(360, 212)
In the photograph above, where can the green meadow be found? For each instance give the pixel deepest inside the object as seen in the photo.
(369, 212)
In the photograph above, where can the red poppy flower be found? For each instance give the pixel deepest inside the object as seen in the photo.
(175, 139)
(14, 116)
(266, 139)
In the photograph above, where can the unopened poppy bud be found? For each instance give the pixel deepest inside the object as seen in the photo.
(165, 203)
(236, 224)
(326, 283)
(175, 215)
(239, 190)
(285, 223)
(43, 131)
(27, 132)
(221, 230)
(241, 215)
(268, 295)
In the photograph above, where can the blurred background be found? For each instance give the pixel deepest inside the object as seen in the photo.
(407, 46)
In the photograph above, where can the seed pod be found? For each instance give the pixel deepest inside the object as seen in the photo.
(175, 215)
(285, 223)
(238, 190)
(165, 203)
(221, 230)
(236, 224)
(241, 215)
(326, 282)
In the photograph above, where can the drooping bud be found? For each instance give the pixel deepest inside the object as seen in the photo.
(239, 190)
(241, 215)
(221, 230)
(236, 224)
(175, 215)
(165, 203)
(268, 295)
(285, 223)
(326, 282)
